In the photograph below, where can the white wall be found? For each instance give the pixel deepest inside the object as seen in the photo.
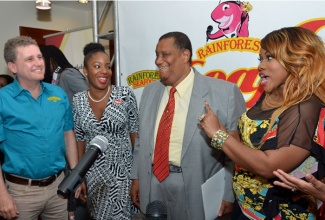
(23, 13)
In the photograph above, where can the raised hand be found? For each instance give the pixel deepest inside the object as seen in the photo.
(210, 122)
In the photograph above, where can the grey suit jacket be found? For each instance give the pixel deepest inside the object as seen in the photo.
(199, 161)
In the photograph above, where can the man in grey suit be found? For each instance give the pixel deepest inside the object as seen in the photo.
(192, 160)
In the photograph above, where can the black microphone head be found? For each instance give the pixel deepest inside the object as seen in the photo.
(101, 142)
(156, 210)
(209, 29)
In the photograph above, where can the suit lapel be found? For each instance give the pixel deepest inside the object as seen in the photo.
(196, 108)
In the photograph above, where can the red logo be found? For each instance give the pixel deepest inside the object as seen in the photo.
(117, 101)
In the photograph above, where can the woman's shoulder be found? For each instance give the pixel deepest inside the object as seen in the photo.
(71, 69)
(314, 101)
(70, 72)
(310, 105)
(80, 95)
(307, 110)
(79, 99)
(123, 93)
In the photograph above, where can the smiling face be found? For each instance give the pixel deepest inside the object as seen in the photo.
(272, 73)
(98, 71)
(29, 64)
(173, 63)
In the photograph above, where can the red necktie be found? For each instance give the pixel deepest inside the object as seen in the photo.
(161, 161)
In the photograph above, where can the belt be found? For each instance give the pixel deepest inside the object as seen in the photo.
(174, 169)
(25, 181)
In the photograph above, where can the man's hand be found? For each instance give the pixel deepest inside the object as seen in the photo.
(226, 207)
(135, 193)
(8, 208)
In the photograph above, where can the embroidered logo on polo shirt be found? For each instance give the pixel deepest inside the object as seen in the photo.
(53, 98)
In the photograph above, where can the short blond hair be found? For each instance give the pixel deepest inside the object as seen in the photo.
(10, 49)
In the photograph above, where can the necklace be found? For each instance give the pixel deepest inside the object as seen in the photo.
(94, 100)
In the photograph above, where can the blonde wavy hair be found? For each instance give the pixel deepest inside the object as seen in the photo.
(302, 53)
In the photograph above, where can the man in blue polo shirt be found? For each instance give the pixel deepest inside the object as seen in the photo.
(36, 137)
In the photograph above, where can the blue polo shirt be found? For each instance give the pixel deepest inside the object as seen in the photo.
(32, 131)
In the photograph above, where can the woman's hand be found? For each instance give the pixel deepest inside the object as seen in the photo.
(81, 192)
(312, 186)
(210, 122)
(135, 193)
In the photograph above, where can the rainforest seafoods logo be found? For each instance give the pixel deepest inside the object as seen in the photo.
(231, 35)
(226, 45)
(54, 98)
(228, 33)
(142, 78)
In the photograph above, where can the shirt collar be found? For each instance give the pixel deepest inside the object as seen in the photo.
(18, 89)
(183, 86)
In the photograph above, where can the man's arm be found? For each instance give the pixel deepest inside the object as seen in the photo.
(71, 148)
(8, 208)
(236, 107)
(82, 194)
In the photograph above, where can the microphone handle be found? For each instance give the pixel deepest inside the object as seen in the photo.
(73, 180)
(87, 160)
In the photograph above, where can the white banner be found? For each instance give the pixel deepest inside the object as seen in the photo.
(233, 58)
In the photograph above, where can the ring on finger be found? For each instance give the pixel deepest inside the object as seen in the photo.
(201, 117)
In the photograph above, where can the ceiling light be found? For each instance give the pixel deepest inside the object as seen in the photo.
(43, 4)
(83, 1)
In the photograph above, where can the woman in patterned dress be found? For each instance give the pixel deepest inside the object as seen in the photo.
(110, 111)
(283, 130)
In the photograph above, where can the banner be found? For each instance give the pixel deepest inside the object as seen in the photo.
(72, 44)
(230, 52)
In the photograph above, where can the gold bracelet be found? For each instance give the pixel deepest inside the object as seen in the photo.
(218, 139)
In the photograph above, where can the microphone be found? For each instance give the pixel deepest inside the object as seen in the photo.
(156, 210)
(209, 30)
(73, 180)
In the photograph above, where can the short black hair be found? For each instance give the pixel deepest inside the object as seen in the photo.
(181, 40)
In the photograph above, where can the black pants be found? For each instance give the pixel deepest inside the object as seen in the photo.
(79, 208)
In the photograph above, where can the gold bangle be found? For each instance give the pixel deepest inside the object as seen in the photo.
(218, 139)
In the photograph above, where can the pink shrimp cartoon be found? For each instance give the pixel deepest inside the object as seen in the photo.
(232, 17)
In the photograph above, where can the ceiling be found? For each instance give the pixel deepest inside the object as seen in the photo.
(76, 5)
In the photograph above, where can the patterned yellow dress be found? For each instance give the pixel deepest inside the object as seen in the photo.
(301, 125)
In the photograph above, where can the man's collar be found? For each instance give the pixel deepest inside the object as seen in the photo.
(18, 89)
